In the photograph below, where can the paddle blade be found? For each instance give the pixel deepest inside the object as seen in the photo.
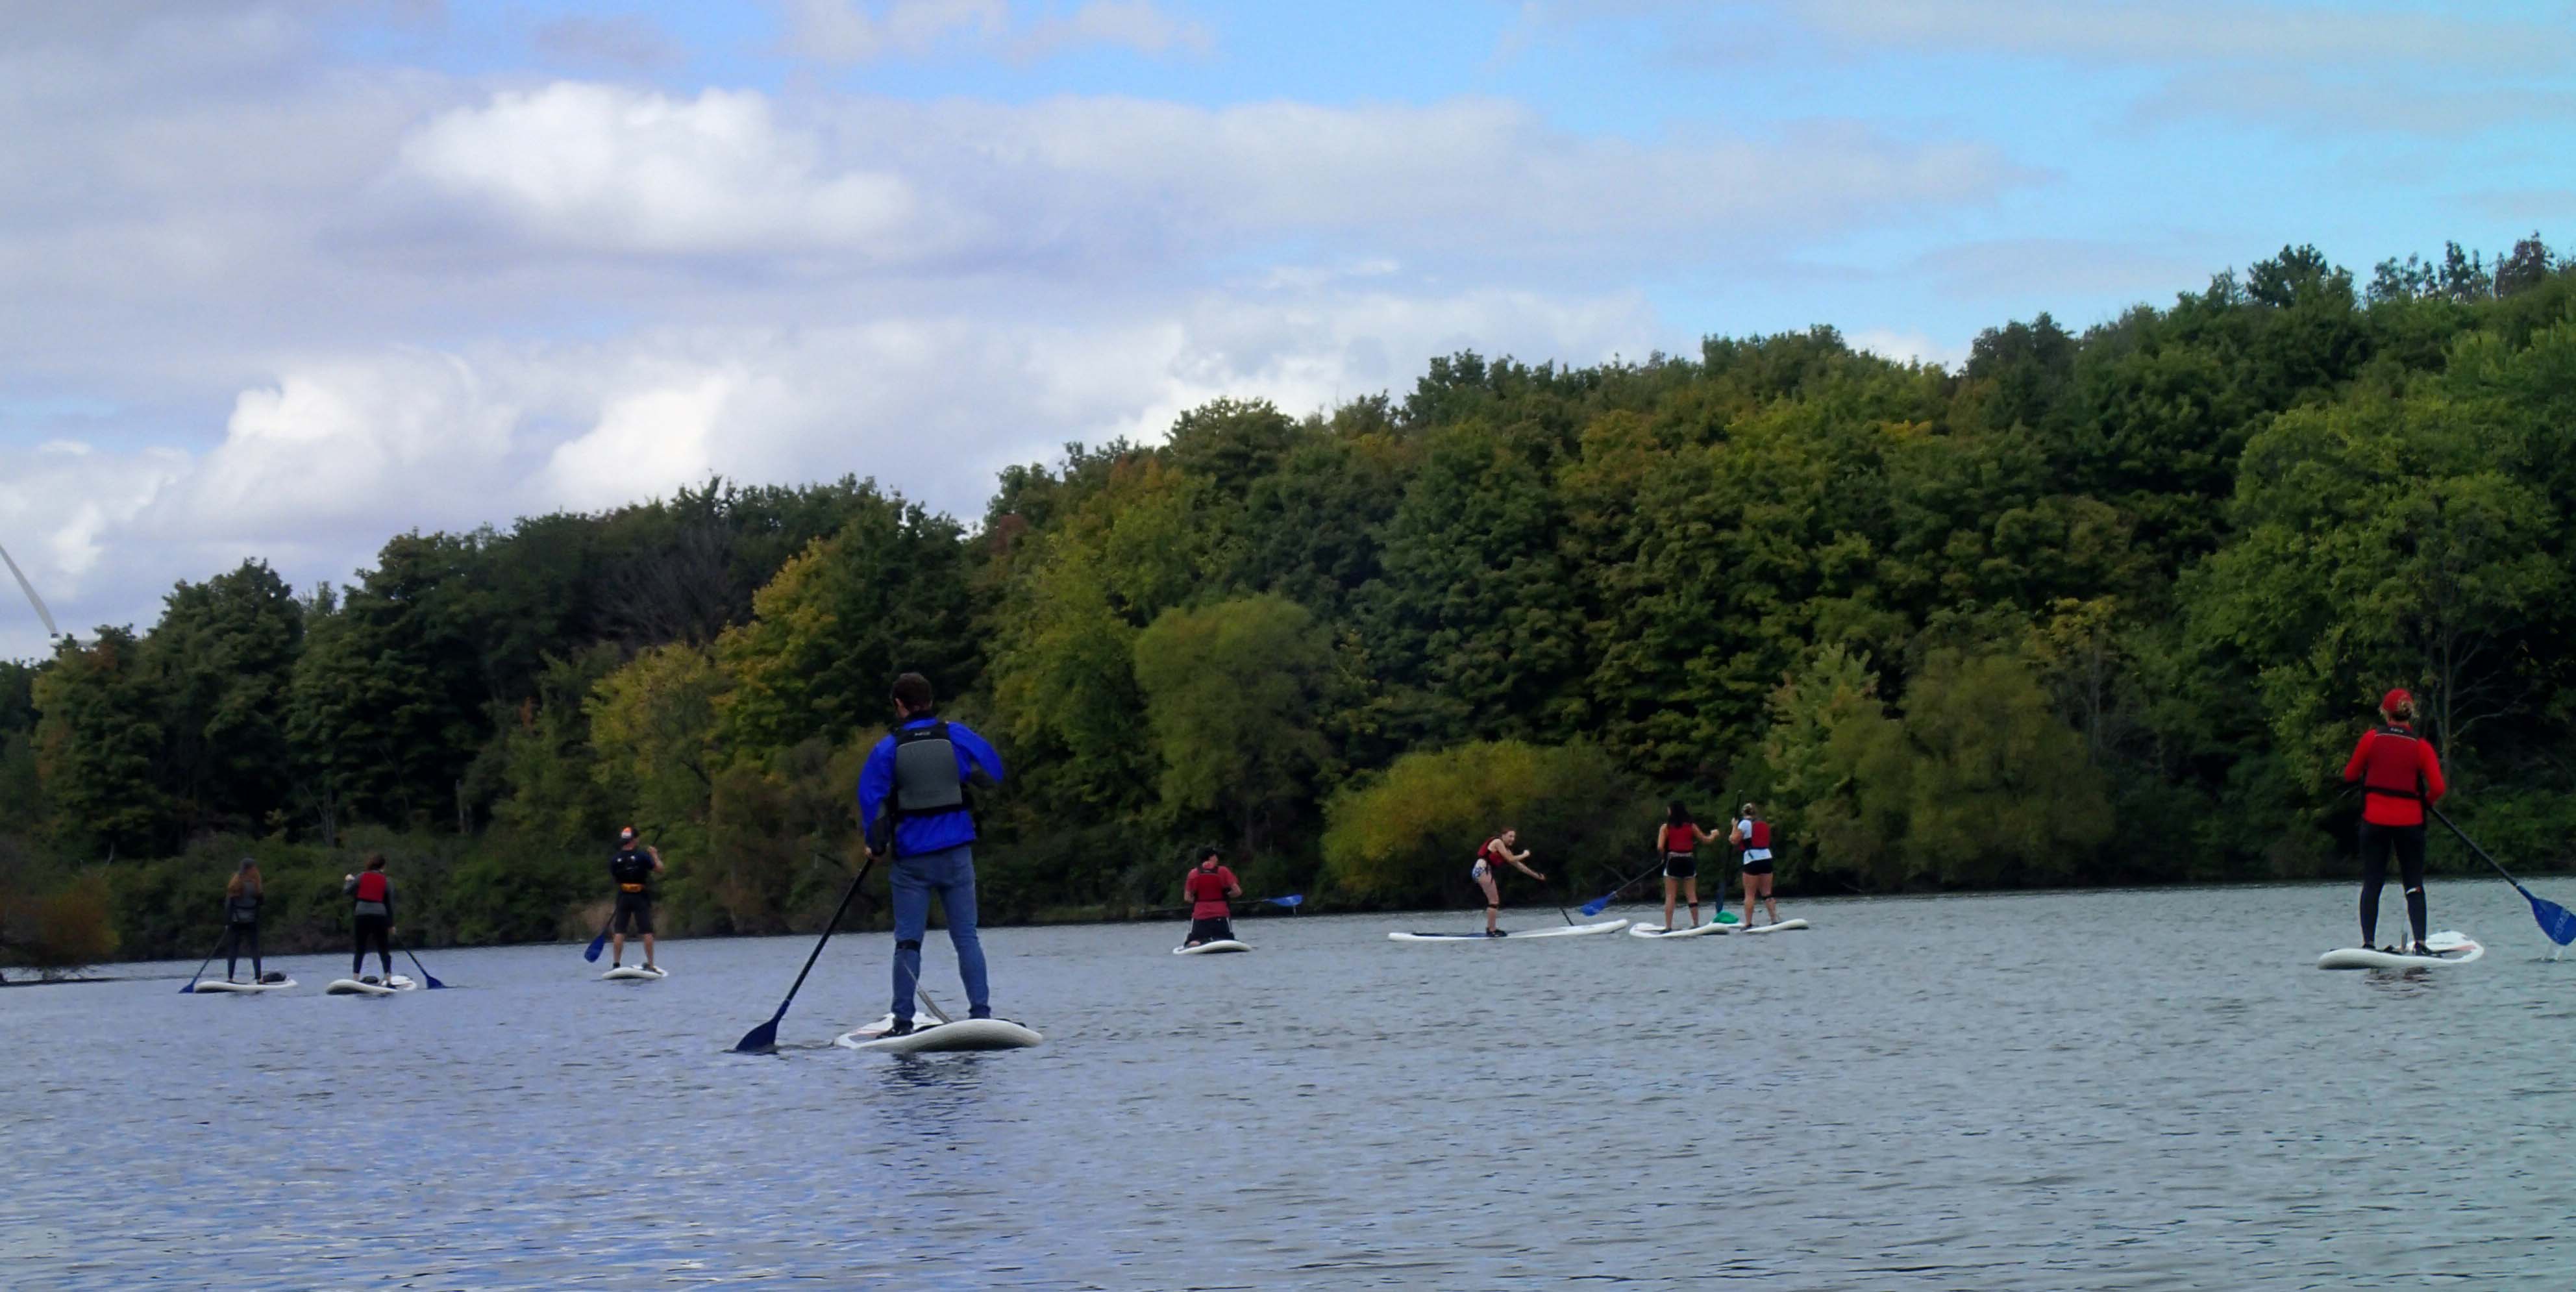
(2555, 920)
(190, 989)
(432, 979)
(596, 944)
(1596, 905)
(1293, 899)
(759, 1040)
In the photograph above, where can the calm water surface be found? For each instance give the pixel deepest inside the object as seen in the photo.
(2131, 1090)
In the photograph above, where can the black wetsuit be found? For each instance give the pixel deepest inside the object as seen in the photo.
(241, 929)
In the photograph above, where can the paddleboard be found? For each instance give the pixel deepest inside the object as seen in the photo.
(2450, 947)
(1218, 947)
(241, 988)
(1659, 931)
(1784, 926)
(634, 973)
(353, 987)
(930, 1036)
(1575, 931)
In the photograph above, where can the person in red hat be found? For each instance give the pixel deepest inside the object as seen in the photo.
(2399, 778)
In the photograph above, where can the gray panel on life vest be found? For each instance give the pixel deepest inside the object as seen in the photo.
(925, 772)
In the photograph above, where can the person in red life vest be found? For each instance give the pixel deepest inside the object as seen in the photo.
(1211, 888)
(1678, 840)
(374, 892)
(2399, 778)
(1753, 835)
(1490, 860)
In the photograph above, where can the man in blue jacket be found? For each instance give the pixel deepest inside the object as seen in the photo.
(918, 777)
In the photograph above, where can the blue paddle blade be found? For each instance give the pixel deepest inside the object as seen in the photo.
(1293, 899)
(596, 943)
(759, 1040)
(1595, 906)
(191, 988)
(2555, 920)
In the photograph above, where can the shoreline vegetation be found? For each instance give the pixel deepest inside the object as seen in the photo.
(2099, 609)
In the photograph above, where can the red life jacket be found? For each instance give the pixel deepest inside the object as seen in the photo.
(1206, 885)
(1757, 834)
(371, 886)
(1680, 838)
(2389, 766)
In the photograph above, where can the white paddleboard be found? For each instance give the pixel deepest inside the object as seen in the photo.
(1659, 932)
(634, 973)
(1784, 926)
(2450, 947)
(241, 988)
(929, 1035)
(1575, 931)
(353, 987)
(1218, 947)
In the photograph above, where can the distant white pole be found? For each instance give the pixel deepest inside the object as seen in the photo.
(30, 589)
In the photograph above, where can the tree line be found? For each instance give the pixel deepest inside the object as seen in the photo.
(2097, 608)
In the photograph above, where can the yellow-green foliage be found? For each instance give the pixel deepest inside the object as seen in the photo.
(1411, 834)
(70, 925)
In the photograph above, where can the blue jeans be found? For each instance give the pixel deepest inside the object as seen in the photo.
(950, 873)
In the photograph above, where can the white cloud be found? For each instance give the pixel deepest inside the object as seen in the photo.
(860, 31)
(1909, 347)
(598, 167)
(1120, 24)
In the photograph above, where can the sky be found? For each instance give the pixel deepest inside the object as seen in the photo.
(284, 278)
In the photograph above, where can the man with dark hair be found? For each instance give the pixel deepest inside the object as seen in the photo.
(914, 805)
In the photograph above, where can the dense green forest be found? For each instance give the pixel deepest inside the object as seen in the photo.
(2104, 608)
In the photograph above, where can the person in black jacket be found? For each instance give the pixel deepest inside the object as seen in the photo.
(241, 919)
(633, 866)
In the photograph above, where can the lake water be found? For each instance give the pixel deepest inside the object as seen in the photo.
(2131, 1090)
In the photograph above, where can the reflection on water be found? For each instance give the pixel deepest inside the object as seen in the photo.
(2037, 1092)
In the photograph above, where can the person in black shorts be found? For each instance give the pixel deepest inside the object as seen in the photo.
(1677, 841)
(633, 867)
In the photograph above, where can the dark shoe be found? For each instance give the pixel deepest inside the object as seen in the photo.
(1496, 933)
(902, 1027)
(370, 980)
(986, 1012)
(650, 967)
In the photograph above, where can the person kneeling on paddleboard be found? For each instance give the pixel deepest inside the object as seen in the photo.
(918, 776)
(1753, 835)
(1211, 888)
(1490, 859)
(1678, 839)
(2399, 778)
(633, 866)
(374, 894)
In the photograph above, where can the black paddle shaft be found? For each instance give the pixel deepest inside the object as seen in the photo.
(2473, 846)
(748, 1042)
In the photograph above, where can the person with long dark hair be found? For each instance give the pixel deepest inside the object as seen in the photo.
(1211, 888)
(1677, 841)
(2399, 777)
(373, 892)
(242, 895)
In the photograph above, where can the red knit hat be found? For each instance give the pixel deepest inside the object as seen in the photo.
(2395, 700)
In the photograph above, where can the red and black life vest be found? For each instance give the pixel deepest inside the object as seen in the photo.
(2391, 767)
(371, 886)
(1212, 891)
(1680, 839)
(1757, 834)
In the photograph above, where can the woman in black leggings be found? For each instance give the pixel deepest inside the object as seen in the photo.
(374, 893)
(241, 919)
(2399, 778)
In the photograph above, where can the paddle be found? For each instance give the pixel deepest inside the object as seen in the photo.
(426, 976)
(601, 942)
(933, 1006)
(1602, 903)
(2556, 922)
(764, 1038)
(191, 988)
